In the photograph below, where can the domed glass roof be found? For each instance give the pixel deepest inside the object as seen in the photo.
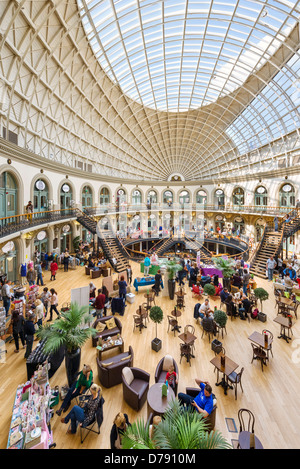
(178, 55)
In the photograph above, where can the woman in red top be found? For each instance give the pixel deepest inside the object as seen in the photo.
(53, 268)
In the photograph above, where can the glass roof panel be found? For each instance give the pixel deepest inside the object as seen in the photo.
(212, 45)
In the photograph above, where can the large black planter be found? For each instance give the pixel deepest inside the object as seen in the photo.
(171, 288)
(156, 344)
(72, 361)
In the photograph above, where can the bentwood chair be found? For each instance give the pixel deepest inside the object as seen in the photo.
(235, 379)
(259, 354)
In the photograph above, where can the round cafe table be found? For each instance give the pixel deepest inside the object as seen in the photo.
(244, 441)
(157, 404)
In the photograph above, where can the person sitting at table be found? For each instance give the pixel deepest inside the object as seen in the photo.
(203, 402)
(245, 305)
(79, 386)
(171, 377)
(230, 306)
(205, 308)
(224, 295)
(288, 283)
(236, 280)
(208, 323)
(289, 271)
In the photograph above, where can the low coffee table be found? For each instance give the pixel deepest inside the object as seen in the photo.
(107, 345)
(157, 404)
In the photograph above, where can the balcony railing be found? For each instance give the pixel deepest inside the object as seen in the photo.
(25, 221)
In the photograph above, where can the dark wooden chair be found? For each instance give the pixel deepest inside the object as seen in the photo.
(259, 354)
(269, 349)
(235, 379)
(137, 322)
(186, 351)
(172, 322)
(246, 421)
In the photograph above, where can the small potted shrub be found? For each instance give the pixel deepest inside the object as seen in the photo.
(209, 289)
(261, 294)
(156, 315)
(220, 317)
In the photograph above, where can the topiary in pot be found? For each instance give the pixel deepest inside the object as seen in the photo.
(261, 294)
(156, 315)
(209, 289)
(220, 317)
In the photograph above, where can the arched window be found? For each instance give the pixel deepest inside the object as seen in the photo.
(184, 197)
(8, 195)
(201, 197)
(104, 196)
(40, 196)
(238, 196)
(287, 196)
(152, 197)
(239, 226)
(219, 199)
(121, 197)
(66, 196)
(168, 197)
(87, 197)
(136, 197)
(261, 196)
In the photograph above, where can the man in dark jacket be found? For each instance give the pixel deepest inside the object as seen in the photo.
(29, 332)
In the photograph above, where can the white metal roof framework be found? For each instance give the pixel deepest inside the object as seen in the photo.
(147, 89)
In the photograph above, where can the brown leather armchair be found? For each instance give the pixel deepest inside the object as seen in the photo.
(110, 369)
(210, 420)
(162, 369)
(135, 386)
(106, 332)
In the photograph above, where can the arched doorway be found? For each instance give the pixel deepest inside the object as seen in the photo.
(168, 197)
(87, 197)
(238, 197)
(136, 197)
(40, 196)
(8, 261)
(201, 198)
(184, 198)
(261, 197)
(287, 196)
(152, 197)
(8, 195)
(104, 196)
(239, 226)
(66, 197)
(219, 199)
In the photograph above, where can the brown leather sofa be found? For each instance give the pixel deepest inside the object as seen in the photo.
(106, 332)
(110, 369)
(210, 420)
(135, 386)
(162, 369)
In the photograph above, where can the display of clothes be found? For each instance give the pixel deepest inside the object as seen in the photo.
(23, 273)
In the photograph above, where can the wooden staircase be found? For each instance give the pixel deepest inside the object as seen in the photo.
(110, 244)
(270, 245)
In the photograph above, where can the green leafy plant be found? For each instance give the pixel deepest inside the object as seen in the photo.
(261, 294)
(180, 428)
(67, 330)
(76, 243)
(225, 265)
(173, 266)
(209, 289)
(156, 315)
(220, 317)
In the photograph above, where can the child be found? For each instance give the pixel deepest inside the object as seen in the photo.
(53, 268)
(171, 377)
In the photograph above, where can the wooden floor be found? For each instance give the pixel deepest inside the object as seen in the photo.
(273, 395)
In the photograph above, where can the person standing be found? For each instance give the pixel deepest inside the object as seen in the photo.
(53, 304)
(275, 223)
(157, 283)
(31, 276)
(270, 266)
(246, 279)
(66, 259)
(45, 298)
(53, 268)
(122, 288)
(100, 303)
(39, 311)
(39, 273)
(6, 295)
(146, 265)
(29, 332)
(29, 211)
(18, 323)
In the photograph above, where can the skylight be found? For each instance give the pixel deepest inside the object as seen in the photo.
(177, 55)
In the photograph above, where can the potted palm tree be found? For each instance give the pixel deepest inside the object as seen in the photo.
(173, 267)
(227, 268)
(179, 429)
(68, 331)
(156, 315)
